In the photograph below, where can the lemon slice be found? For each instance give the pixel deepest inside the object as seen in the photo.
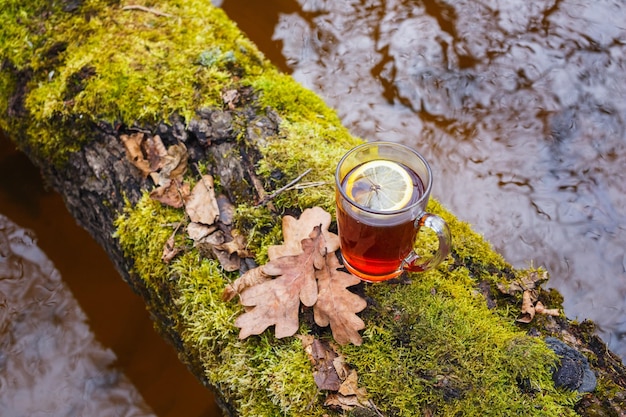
(380, 185)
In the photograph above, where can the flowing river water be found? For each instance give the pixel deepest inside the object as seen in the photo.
(519, 106)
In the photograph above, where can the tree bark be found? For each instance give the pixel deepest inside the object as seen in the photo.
(74, 135)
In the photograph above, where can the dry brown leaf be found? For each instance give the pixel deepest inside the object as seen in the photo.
(528, 308)
(336, 305)
(170, 250)
(339, 401)
(306, 273)
(322, 356)
(227, 210)
(251, 277)
(201, 205)
(171, 193)
(341, 367)
(294, 231)
(175, 162)
(349, 395)
(350, 386)
(133, 144)
(155, 152)
(541, 309)
(199, 231)
(277, 302)
(237, 246)
(230, 98)
(209, 248)
(332, 373)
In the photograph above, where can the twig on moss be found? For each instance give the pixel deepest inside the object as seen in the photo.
(290, 185)
(304, 185)
(376, 410)
(147, 10)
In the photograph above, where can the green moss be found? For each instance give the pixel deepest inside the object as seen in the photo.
(142, 231)
(433, 346)
(120, 66)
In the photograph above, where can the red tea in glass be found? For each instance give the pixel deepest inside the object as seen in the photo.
(382, 191)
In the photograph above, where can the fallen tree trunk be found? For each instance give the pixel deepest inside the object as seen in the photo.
(124, 107)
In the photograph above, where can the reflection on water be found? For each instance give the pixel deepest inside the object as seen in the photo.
(118, 349)
(50, 362)
(518, 105)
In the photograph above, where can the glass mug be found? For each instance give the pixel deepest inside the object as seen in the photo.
(382, 189)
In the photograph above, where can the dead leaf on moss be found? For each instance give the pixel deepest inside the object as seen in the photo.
(201, 205)
(209, 247)
(252, 277)
(305, 273)
(170, 250)
(295, 230)
(237, 245)
(172, 193)
(149, 155)
(332, 373)
(541, 309)
(174, 162)
(349, 395)
(133, 145)
(199, 231)
(350, 387)
(341, 402)
(336, 305)
(277, 302)
(528, 308)
(155, 152)
(321, 355)
(230, 98)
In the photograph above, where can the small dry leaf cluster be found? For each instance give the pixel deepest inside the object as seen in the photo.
(303, 270)
(210, 216)
(528, 285)
(332, 374)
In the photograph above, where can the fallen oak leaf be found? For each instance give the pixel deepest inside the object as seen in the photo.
(236, 246)
(341, 402)
(172, 193)
(199, 231)
(209, 247)
(132, 144)
(322, 356)
(350, 387)
(349, 395)
(277, 301)
(251, 277)
(294, 231)
(155, 152)
(175, 162)
(336, 305)
(201, 204)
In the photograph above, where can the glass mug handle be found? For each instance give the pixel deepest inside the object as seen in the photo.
(413, 262)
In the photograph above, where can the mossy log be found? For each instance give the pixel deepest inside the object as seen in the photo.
(77, 76)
